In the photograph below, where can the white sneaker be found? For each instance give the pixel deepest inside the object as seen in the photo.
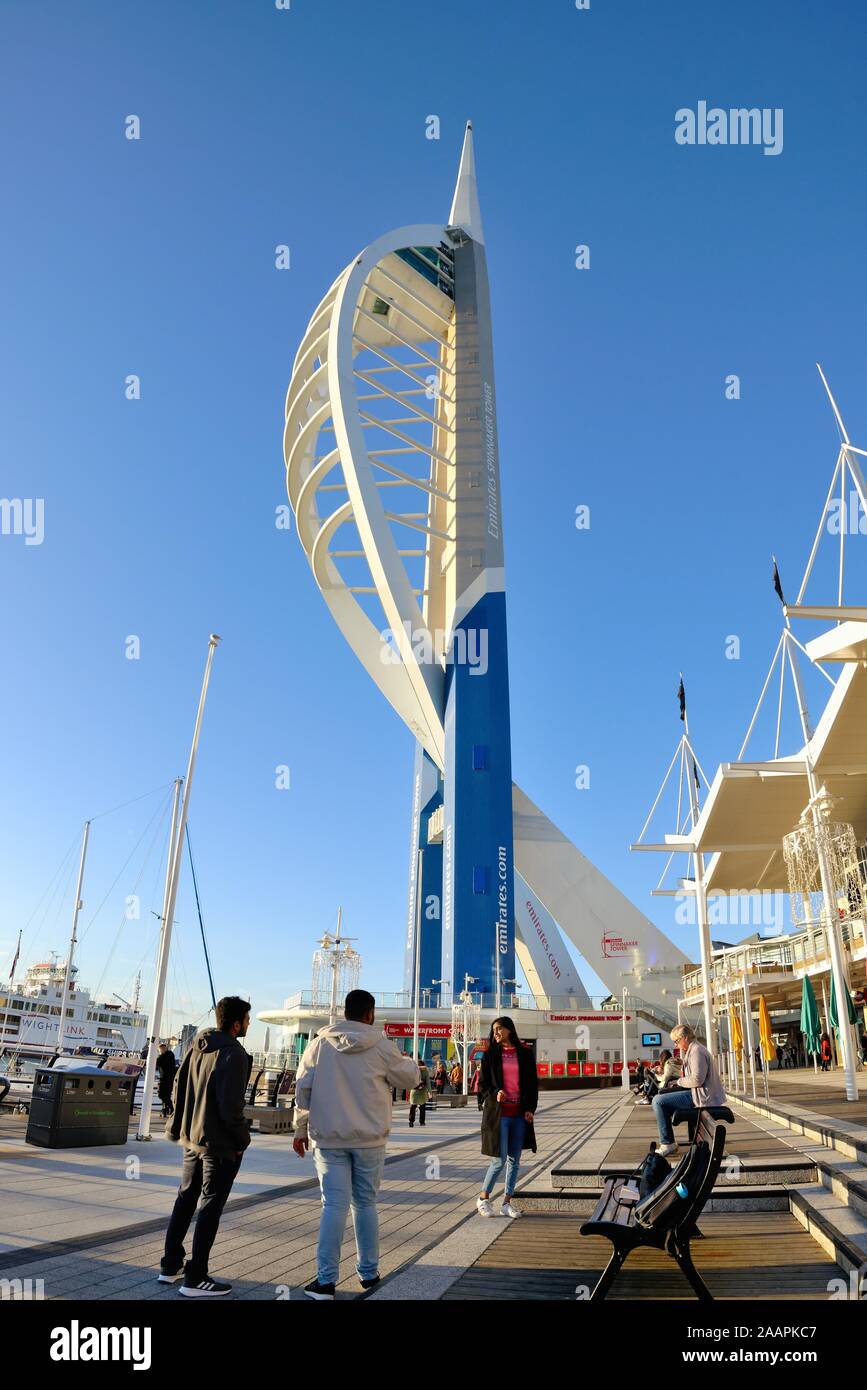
(508, 1210)
(483, 1206)
(664, 1150)
(642, 1102)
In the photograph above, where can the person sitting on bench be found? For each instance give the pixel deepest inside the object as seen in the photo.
(699, 1085)
(667, 1073)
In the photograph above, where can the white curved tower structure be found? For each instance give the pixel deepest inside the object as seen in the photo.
(392, 470)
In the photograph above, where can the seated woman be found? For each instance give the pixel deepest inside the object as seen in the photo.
(666, 1073)
(700, 1085)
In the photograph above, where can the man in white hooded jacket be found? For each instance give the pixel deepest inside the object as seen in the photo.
(343, 1107)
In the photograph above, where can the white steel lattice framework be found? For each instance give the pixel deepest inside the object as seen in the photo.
(396, 526)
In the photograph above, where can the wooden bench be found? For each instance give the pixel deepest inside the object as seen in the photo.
(666, 1218)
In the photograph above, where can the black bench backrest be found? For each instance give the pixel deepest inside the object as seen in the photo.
(679, 1198)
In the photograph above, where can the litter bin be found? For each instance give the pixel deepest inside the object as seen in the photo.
(75, 1109)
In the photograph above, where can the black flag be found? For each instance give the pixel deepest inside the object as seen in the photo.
(777, 585)
(681, 695)
(695, 775)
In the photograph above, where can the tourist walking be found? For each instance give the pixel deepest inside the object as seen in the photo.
(167, 1068)
(343, 1108)
(440, 1078)
(825, 1053)
(509, 1090)
(456, 1077)
(475, 1084)
(699, 1085)
(419, 1095)
(208, 1120)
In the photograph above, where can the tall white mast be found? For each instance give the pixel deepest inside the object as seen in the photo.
(173, 877)
(76, 908)
(466, 212)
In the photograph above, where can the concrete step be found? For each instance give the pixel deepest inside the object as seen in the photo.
(582, 1202)
(829, 1131)
(839, 1228)
(735, 1172)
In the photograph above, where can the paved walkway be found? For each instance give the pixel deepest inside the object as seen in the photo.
(266, 1245)
(822, 1091)
(74, 1194)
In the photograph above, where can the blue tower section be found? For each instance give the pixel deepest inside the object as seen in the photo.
(427, 799)
(478, 853)
(478, 869)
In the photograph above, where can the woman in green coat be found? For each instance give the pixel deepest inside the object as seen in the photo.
(419, 1095)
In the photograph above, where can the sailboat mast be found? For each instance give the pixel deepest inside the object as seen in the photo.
(174, 873)
(76, 908)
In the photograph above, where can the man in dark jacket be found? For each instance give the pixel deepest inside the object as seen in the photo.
(166, 1068)
(209, 1121)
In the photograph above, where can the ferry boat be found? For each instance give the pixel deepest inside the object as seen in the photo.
(30, 1018)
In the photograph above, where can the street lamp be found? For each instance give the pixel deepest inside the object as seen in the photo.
(624, 1075)
(468, 980)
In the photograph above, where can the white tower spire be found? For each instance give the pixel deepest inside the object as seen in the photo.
(466, 212)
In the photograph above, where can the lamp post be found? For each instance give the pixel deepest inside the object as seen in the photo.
(468, 980)
(624, 1075)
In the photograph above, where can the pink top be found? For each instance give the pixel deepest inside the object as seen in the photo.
(511, 1082)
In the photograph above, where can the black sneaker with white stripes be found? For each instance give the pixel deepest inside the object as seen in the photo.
(204, 1288)
(322, 1293)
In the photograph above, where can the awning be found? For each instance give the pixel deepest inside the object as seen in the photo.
(752, 805)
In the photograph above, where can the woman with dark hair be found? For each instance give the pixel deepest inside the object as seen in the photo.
(509, 1091)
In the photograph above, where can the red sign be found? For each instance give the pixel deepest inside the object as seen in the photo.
(603, 1069)
(573, 1068)
(617, 1068)
(542, 1069)
(589, 1018)
(588, 1068)
(613, 945)
(426, 1030)
(558, 1068)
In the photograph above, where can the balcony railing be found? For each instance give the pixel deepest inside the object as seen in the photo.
(507, 1002)
(794, 956)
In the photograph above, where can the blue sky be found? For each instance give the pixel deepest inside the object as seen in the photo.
(156, 257)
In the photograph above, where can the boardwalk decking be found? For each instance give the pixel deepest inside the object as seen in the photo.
(432, 1242)
(766, 1255)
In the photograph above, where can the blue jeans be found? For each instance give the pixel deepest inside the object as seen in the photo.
(348, 1178)
(511, 1144)
(663, 1106)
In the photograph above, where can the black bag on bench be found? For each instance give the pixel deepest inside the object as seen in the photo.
(653, 1170)
(680, 1184)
